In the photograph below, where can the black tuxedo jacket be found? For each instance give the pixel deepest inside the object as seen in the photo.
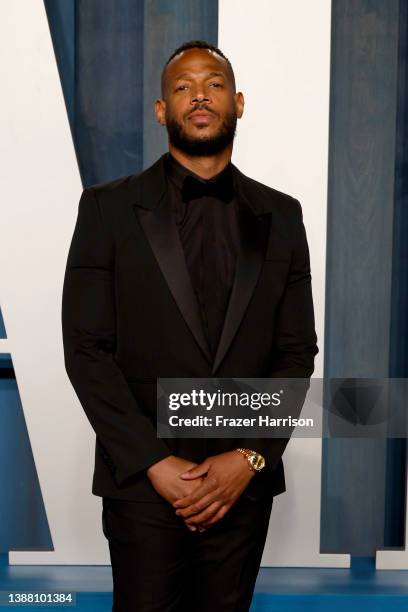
(129, 315)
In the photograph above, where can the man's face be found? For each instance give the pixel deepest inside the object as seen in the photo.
(199, 108)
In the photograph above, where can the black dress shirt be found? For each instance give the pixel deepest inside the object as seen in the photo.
(207, 218)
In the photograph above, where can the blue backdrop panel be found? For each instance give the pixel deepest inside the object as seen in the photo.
(23, 523)
(109, 88)
(61, 21)
(397, 449)
(399, 297)
(2, 328)
(110, 56)
(360, 251)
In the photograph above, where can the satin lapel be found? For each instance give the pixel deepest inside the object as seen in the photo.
(161, 232)
(254, 233)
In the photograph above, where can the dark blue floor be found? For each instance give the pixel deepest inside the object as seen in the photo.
(278, 589)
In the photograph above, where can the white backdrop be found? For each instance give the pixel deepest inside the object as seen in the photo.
(283, 70)
(280, 52)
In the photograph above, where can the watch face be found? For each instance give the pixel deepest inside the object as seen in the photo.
(257, 462)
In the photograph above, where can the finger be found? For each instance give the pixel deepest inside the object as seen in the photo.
(197, 506)
(190, 527)
(196, 472)
(205, 515)
(216, 517)
(208, 485)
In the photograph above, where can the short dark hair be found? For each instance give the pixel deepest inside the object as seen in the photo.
(197, 44)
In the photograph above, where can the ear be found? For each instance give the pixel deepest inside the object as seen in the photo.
(160, 111)
(239, 104)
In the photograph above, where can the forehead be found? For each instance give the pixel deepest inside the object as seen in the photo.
(196, 61)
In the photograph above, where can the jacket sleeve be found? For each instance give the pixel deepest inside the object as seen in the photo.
(127, 436)
(295, 344)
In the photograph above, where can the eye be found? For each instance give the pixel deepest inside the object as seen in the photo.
(181, 87)
(216, 84)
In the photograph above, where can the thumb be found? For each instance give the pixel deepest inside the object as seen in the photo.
(196, 471)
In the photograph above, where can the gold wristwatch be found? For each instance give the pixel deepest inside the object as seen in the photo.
(256, 462)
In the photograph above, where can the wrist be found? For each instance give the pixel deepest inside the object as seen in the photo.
(155, 467)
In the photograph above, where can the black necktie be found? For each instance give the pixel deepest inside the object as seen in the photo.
(220, 188)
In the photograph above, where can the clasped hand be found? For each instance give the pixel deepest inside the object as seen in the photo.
(201, 494)
(223, 478)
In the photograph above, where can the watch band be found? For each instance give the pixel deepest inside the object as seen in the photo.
(249, 456)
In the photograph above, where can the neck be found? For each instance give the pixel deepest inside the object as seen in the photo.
(206, 166)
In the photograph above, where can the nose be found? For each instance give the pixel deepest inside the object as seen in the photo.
(198, 96)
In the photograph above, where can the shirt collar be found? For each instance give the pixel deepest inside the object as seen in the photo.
(177, 173)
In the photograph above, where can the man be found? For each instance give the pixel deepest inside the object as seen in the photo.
(188, 270)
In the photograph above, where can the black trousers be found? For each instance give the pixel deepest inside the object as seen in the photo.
(158, 565)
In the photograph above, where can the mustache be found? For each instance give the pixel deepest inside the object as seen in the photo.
(202, 107)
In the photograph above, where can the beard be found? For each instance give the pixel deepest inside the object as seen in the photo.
(202, 147)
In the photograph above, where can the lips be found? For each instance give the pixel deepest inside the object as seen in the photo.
(201, 117)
